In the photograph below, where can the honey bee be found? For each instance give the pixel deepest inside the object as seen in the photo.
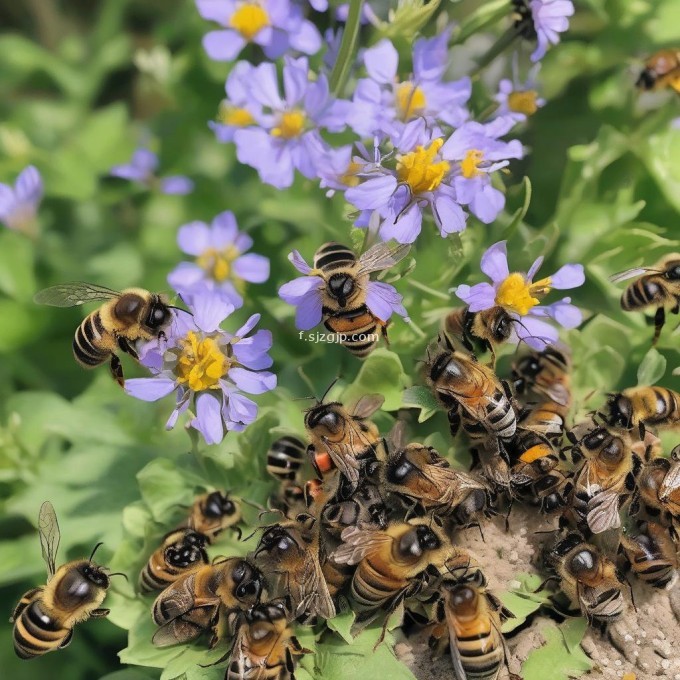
(644, 406)
(126, 317)
(486, 329)
(652, 555)
(289, 554)
(605, 480)
(419, 473)
(285, 457)
(343, 438)
(659, 489)
(661, 70)
(212, 513)
(201, 600)
(474, 396)
(265, 646)
(45, 617)
(657, 287)
(392, 564)
(344, 295)
(589, 579)
(180, 551)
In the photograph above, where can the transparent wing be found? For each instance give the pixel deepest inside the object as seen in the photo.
(357, 543)
(558, 393)
(314, 595)
(631, 273)
(603, 512)
(48, 527)
(367, 406)
(671, 482)
(382, 256)
(175, 601)
(458, 670)
(73, 294)
(176, 632)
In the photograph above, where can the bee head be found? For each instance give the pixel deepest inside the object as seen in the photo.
(399, 468)
(325, 416)
(94, 574)
(646, 80)
(340, 286)
(463, 597)
(583, 561)
(159, 314)
(218, 505)
(276, 540)
(189, 549)
(248, 582)
(620, 411)
(672, 272)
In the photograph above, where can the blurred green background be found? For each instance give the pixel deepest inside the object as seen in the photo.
(84, 82)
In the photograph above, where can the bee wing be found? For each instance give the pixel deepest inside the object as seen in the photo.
(396, 438)
(314, 594)
(357, 543)
(175, 632)
(603, 512)
(558, 393)
(630, 273)
(48, 528)
(671, 482)
(343, 457)
(175, 601)
(452, 482)
(458, 670)
(367, 406)
(381, 256)
(73, 294)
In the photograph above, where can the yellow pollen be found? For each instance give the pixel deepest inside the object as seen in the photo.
(231, 115)
(523, 102)
(217, 263)
(350, 178)
(249, 20)
(411, 101)
(418, 169)
(470, 164)
(291, 124)
(519, 295)
(201, 363)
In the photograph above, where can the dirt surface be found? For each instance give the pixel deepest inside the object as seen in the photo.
(645, 642)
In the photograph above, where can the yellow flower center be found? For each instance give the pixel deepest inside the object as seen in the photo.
(419, 170)
(470, 164)
(201, 363)
(291, 124)
(232, 115)
(411, 101)
(350, 178)
(519, 295)
(217, 263)
(523, 102)
(249, 19)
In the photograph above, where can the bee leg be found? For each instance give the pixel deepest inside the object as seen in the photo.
(126, 347)
(659, 321)
(383, 332)
(99, 613)
(67, 640)
(545, 583)
(117, 370)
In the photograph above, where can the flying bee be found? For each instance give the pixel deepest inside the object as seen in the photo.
(289, 554)
(212, 513)
(180, 551)
(486, 329)
(659, 489)
(474, 396)
(605, 480)
(656, 406)
(201, 600)
(347, 291)
(657, 287)
(588, 578)
(652, 555)
(285, 457)
(125, 318)
(343, 438)
(265, 646)
(45, 617)
(420, 474)
(661, 70)
(393, 563)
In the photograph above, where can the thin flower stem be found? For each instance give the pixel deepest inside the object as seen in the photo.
(428, 290)
(419, 331)
(497, 48)
(348, 45)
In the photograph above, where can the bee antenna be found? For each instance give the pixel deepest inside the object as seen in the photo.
(120, 573)
(94, 550)
(328, 389)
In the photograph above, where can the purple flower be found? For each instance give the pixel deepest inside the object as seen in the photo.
(236, 111)
(518, 100)
(208, 368)
(142, 169)
(19, 204)
(220, 263)
(543, 21)
(519, 295)
(277, 26)
(305, 293)
(384, 103)
(287, 137)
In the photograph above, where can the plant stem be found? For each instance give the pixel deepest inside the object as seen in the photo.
(347, 48)
(428, 290)
(499, 46)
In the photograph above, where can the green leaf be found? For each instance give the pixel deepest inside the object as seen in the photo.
(408, 18)
(554, 660)
(420, 397)
(651, 368)
(483, 16)
(342, 625)
(523, 601)
(164, 487)
(16, 265)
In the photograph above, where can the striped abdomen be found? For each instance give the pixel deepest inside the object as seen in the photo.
(373, 586)
(332, 256)
(35, 631)
(358, 329)
(285, 457)
(547, 419)
(498, 417)
(479, 647)
(607, 605)
(87, 347)
(643, 293)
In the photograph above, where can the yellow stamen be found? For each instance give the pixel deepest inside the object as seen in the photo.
(232, 115)
(418, 169)
(519, 295)
(249, 19)
(217, 263)
(523, 102)
(411, 101)
(350, 178)
(470, 164)
(291, 124)
(201, 363)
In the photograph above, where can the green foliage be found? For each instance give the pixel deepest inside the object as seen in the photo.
(561, 657)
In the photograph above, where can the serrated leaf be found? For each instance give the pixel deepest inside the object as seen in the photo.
(651, 368)
(420, 397)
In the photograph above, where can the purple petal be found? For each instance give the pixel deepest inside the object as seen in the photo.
(182, 405)
(373, 193)
(382, 62)
(306, 38)
(478, 297)
(29, 186)
(487, 203)
(239, 409)
(252, 352)
(535, 333)
(252, 382)
(208, 420)
(405, 229)
(194, 238)
(176, 184)
(223, 45)
(383, 299)
(295, 79)
(210, 310)
(293, 291)
(495, 262)
(566, 314)
(534, 268)
(309, 310)
(265, 86)
(185, 275)
(568, 276)
(248, 325)
(449, 215)
(430, 56)
(252, 268)
(224, 230)
(298, 262)
(149, 389)
(213, 10)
